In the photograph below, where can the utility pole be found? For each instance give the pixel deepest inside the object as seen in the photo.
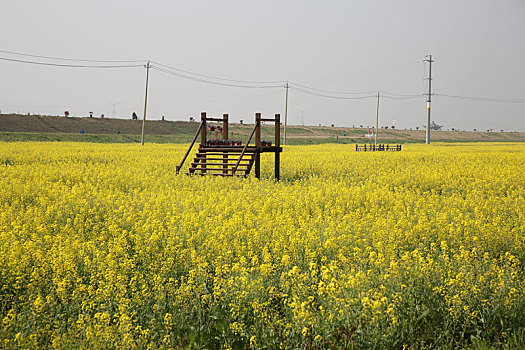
(147, 66)
(302, 115)
(113, 106)
(377, 120)
(429, 60)
(285, 113)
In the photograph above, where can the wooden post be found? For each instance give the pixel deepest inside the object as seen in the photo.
(225, 137)
(204, 128)
(277, 144)
(225, 126)
(258, 145)
(203, 140)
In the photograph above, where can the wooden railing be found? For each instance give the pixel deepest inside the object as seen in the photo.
(191, 146)
(244, 148)
(366, 148)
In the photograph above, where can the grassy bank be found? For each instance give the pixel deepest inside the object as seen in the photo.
(51, 128)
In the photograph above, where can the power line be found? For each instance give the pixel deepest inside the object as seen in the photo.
(218, 100)
(330, 91)
(334, 97)
(404, 63)
(400, 95)
(485, 99)
(385, 94)
(69, 65)
(214, 82)
(167, 71)
(402, 98)
(71, 59)
(370, 71)
(217, 78)
(274, 84)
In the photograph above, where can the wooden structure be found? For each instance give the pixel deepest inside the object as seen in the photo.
(223, 157)
(366, 148)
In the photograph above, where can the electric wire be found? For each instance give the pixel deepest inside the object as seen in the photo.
(221, 81)
(385, 94)
(356, 93)
(71, 59)
(331, 91)
(404, 63)
(401, 95)
(217, 78)
(334, 97)
(217, 100)
(69, 65)
(485, 99)
(214, 82)
(402, 98)
(374, 70)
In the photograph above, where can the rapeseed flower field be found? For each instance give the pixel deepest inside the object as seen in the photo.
(102, 246)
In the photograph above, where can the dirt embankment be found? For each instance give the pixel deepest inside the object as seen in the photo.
(180, 131)
(53, 124)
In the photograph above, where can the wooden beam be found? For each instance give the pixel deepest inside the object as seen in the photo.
(225, 137)
(203, 137)
(277, 144)
(258, 145)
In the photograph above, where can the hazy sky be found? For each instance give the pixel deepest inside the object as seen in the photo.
(350, 46)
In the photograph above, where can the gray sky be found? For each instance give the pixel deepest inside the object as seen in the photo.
(351, 46)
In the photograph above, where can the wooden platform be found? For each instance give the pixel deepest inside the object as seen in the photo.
(232, 160)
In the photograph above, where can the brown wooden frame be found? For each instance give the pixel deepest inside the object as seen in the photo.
(201, 162)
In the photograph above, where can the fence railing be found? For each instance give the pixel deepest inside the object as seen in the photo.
(372, 148)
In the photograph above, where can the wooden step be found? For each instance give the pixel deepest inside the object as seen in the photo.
(211, 169)
(227, 159)
(226, 149)
(214, 170)
(232, 154)
(217, 174)
(223, 164)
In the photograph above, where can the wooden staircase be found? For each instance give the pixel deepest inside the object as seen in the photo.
(221, 157)
(223, 161)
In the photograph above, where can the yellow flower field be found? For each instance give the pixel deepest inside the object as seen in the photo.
(103, 246)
